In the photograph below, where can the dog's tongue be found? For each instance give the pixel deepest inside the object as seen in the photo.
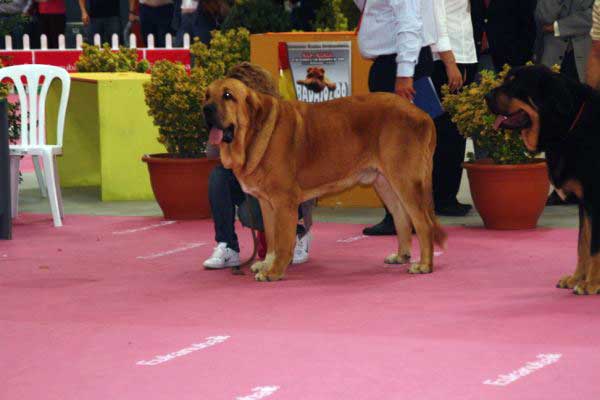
(215, 136)
(499, 120)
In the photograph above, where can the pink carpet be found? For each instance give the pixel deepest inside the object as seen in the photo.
(120, 308)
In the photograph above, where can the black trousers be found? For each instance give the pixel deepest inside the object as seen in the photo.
(52, 25)
(450, 151)
(382, 75)
(156, 21)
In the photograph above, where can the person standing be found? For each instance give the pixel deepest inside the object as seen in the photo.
(13, 10)
(155, 18)
(455, 65)
(593, 67)
(198, 18)
(52, 16)
(506, 29)
(564, 40)
(565, 34)
(397, 36)
(101, 17)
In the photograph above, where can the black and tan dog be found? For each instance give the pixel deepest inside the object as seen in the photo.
(561, 118)
(285, 152)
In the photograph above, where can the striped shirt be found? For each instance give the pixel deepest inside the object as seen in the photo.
(596, 19)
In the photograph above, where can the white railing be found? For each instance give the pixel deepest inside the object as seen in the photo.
(97, 41)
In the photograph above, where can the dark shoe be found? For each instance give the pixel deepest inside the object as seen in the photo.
(384, 228)
(453, 209)
(555, 200)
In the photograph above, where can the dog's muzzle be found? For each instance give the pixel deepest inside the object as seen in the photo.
(217, 134)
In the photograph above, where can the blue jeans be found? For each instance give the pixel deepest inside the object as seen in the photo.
(105, 27)
(197, 25)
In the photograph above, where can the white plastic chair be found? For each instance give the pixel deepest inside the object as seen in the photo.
(33, 127)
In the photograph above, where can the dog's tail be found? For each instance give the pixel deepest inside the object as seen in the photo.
(439, 234)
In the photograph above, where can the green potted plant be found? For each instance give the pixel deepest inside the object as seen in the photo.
(509, 186)
(179, 177)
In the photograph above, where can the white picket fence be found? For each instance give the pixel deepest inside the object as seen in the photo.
(97, 41)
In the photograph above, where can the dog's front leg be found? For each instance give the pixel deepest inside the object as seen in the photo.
(590, 282)
(280, 228)
(583, 253)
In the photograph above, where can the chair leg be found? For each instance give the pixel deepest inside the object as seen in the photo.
(48, 160)
(40, 176)
(14, 185)
(58, 190)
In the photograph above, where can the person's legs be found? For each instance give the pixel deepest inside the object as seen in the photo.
(224, 194)
(187, 26)
(163, 18)
(110, 26)
(52, 25)
(450, 151)
(382, 78)
(147, 23)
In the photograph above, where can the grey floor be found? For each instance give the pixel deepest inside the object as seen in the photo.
(86, 201)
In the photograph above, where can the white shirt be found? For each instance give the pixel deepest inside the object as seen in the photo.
(400, 27)
(189, 6)
(456, 31)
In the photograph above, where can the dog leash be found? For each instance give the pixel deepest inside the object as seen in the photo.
(238, 269)
(578, 117)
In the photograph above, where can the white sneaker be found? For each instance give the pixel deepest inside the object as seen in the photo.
(222, 257)
(301, 250)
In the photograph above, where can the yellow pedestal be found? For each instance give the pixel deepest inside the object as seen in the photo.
(107, 130)
(264, 52)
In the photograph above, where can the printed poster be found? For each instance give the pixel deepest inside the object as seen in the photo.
(321, 71)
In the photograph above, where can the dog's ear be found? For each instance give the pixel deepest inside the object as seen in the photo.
(254, 104)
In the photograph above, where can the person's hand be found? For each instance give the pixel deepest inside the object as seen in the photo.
(549, 28)
(85, 18)
(404, 87)
(455, 78)
(132, 17)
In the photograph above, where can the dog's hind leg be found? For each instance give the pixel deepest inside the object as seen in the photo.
(401, 220)
(583, 254)
(416, 201)
(280, 227)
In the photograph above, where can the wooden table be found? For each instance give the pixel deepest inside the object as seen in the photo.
(107, 130)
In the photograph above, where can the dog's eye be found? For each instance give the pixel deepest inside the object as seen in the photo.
(227, 96)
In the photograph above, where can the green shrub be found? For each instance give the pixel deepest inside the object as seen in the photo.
(175, 98)
(258, 16)
(95, 59)
(330, 17)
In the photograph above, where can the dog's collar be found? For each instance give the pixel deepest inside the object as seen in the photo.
(578, 117)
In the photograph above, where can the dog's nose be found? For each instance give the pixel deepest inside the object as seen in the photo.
(209, 111)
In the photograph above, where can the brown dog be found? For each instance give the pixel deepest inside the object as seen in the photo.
(316, 80)
(286, 152)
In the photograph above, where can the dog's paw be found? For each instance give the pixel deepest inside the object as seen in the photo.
(258, 266)
(584, 288)
(418, 268)
(568, 282)
(397, 259)
(266, 277)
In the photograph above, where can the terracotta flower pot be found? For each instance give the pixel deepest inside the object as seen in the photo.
(180, 185)
(508, 196)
